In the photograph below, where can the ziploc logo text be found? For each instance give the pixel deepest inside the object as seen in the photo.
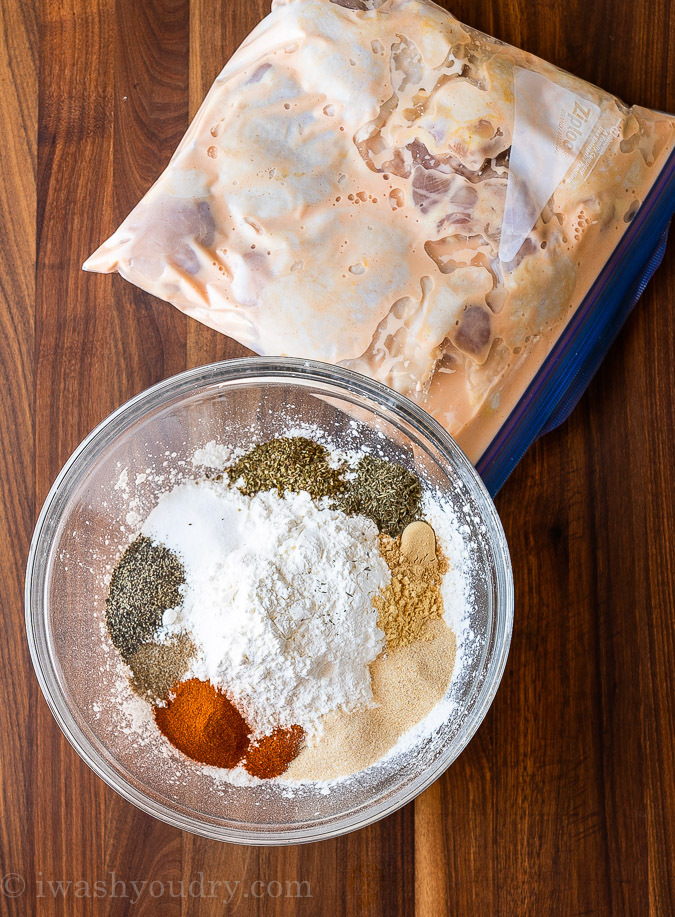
(551, 125)
(574, 131)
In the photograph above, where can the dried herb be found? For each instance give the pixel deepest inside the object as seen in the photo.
(144, 584)
(292, 463)
(385, 492)
(157, 667)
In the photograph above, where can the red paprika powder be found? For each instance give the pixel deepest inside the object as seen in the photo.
(204, 724)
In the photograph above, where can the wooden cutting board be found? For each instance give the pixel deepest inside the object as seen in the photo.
(564, 802)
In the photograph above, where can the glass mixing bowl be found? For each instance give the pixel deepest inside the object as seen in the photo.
(90, 514)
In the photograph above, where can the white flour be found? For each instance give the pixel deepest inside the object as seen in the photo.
(278, 598)
(454, 540)
(213, 455)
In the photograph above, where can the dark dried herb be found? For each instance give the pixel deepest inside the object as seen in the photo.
(292, 463)
(385, 492)
(144, 584)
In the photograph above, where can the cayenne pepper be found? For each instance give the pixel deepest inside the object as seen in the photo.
(270, 756)
(204, 724)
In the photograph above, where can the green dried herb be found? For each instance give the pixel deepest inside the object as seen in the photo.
(385, 492)
(144, 584)
(292, 463)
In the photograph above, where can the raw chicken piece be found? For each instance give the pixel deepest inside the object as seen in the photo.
(371, 183)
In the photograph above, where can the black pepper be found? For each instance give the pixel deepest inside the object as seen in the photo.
(145, 582)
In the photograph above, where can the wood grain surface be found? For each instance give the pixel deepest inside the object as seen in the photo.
(564, 802)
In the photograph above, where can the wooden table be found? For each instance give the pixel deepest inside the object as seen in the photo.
(564, 802)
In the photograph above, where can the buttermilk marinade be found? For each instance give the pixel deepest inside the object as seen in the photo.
(372, 183)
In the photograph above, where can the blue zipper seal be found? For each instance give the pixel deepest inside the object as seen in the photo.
(584, 342)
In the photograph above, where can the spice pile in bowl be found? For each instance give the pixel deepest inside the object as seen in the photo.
(294, 614)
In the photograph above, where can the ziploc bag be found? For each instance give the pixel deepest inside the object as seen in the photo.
(376, 185)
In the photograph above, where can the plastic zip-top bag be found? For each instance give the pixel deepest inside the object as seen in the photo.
(376, 185)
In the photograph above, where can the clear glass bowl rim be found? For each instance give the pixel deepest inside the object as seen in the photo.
(224, 373)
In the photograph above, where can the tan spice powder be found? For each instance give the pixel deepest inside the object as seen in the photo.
(156, 667)
(408, 682)
(413, 598)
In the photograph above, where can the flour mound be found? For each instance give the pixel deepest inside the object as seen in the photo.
(278, 599)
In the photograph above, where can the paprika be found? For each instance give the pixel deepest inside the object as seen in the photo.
(204, 724)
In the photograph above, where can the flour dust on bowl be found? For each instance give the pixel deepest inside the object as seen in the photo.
(251, 485)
